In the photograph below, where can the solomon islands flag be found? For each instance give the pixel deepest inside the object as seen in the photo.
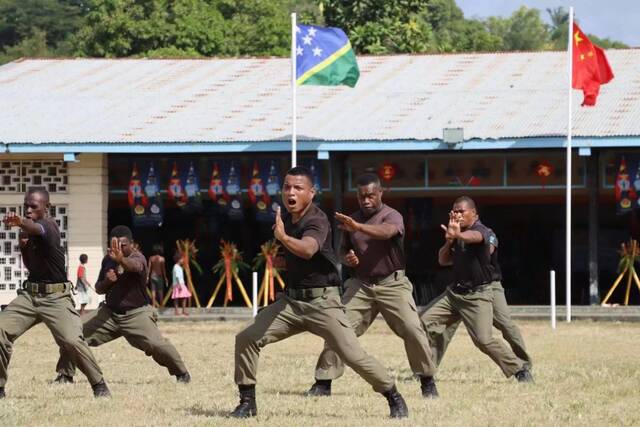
(324, 57)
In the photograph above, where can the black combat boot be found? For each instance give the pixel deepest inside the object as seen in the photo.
(320, 388)
(524, 376)
(101, 390)
(2, 393)
(247, 406)
(428, 388)
(184, 378)
(63, 379)
(397, 406)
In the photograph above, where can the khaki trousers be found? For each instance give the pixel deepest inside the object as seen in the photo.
(57, 311)
(394, 300)
(475, 310)
(138, 327)
(323, 316)
(440, 336)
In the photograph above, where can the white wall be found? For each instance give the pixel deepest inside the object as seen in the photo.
(87, 204)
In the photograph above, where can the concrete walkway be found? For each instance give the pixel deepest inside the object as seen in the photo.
(522, 312)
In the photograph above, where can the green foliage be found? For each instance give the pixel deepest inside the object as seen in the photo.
(186, 27)
(523, 30)
(204, 28)
(38, 27)
(21, 19)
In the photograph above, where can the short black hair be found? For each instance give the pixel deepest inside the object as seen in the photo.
(468, 200)
(368, 178)
(39, 190)
(301, 171)
(121, 231)
(83, 258)
(158, 249)
(177, 256)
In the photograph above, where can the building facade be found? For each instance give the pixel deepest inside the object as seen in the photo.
(80, 127)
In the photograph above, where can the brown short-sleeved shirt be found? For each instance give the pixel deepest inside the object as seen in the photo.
(128, 291)
(320, 270)
(43, 255)
(378, 258)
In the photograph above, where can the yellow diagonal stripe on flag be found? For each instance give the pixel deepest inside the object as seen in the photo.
(324, 64)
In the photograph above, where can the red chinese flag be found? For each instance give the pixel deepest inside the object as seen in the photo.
(590, 67)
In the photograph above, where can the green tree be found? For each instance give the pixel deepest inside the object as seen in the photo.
(187, 27)
(523, 30)
(382, 26)
(33, 46)
(21, 19)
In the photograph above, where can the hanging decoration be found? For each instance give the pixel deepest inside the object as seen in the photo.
(629, 256)
(274, 189)
(137, 199)
(265, 259)
(473, 181)
(217, 192)
(387, 171)
(232, 179)
(192, 189)
(228, 267)
(175, 191)
(258, 194)
(152, 191)
(625, 193)
(544, 170)
(317, 182)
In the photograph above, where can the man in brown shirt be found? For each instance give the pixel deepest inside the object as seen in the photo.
(46, 296)
(126, 311)
(311, 303)
(373, 247)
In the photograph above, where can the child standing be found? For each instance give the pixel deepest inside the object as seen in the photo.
(180, 290)
(82, 284)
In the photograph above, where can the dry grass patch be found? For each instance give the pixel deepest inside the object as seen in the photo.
(586, 374)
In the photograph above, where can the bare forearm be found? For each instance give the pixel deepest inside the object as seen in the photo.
(103, 286)
(131, 265)
(303, 248)
(31, 228)
(379, 231)
(444, 254)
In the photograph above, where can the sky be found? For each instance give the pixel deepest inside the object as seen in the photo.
(615, 19)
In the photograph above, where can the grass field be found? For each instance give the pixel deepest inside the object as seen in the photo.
(586, 374)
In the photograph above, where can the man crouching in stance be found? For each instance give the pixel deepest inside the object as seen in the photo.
(311, 303)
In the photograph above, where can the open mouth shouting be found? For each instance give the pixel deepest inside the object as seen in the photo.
(291, 203)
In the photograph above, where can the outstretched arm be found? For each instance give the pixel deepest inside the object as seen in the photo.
(382, 231)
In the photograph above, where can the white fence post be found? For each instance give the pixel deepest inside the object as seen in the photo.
(254, 293)
(553, 298)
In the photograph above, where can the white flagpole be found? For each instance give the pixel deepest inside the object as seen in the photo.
(294, 58)
(569, 132)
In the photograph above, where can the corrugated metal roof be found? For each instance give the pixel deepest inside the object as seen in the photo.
(403, 97)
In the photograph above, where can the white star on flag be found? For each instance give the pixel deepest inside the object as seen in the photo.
(312, 32)
(317, 51)
(298, 29)
(299, 51)
(306, 40)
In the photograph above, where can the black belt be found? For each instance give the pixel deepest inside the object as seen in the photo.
(308, 293)
(122, 310)
(38, 288)
(461, 289)
(383, 280)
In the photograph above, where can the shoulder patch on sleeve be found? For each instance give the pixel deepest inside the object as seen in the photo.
(493, 240)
